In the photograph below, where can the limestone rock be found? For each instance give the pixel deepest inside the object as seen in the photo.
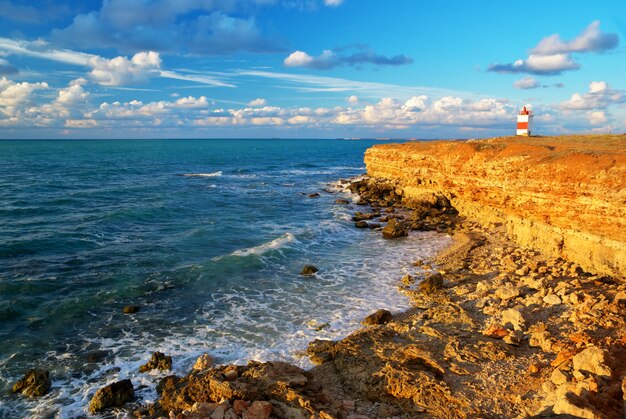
(258, 410)
(431, 283)
(394, 229)
(308, 270)
(514, 317)
(593, 360)
(552, 299)
(381, 316)
(113, 395)
(507, 291)
(204, 362)
(158, 361)
(569, 404)
(35, 383)
(558, 377)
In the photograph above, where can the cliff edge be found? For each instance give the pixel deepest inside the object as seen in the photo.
(565, 195)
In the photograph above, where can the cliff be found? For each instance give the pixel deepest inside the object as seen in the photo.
(565, 196)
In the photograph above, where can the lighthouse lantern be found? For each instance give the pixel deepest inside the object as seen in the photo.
(524, 122)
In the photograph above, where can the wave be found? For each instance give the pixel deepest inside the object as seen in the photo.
(262, 248)
(214, 174)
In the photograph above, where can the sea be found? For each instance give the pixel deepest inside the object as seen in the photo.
(207, 237)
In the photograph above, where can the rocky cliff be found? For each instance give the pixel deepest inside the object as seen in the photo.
(565, 196)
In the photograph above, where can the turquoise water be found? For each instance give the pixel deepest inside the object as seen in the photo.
(208, 237)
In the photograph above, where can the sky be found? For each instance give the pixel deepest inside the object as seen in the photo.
(309, 68)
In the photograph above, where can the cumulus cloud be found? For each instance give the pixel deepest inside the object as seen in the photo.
(353, 100)
(552, 56)
(6, 68)
(257, 102)
(330, 59)
(14, 95)
(590, 40)
(600, 96)
(121, 71)
(186, 26)
(526, 83)
(546, 65)
(597, 117)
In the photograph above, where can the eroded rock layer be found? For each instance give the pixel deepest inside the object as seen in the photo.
(565, 196)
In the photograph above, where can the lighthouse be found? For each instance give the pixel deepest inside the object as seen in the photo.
(524, 122)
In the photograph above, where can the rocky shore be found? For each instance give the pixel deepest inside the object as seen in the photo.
(501, 325)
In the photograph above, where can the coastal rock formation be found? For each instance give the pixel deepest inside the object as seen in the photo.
(35, 383)
(158, 361)
(565, 196)
(113, 395)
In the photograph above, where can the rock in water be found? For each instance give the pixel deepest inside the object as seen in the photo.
(35, 383)
(394, 229)
(308, 270)
(113, 395)
(380, 317)
(431, 284)
(361, 224)
(158, 362)
(131, 309)
(204, 362)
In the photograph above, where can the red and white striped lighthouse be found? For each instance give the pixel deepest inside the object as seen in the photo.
(524, 122)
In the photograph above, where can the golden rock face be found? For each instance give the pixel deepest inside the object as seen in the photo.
(563, 195)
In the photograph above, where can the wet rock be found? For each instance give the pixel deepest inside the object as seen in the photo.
(96, 356)
(308, 270)
(431, 284)
(379, 317)
(361, 224)
(314, 195)
(35, 383)
(159, 361)
(593, 360)
(373, 226)
(342, 201)
(394, 229)
(113, 395)
(204, 362)
(360, 216)
(131, 309)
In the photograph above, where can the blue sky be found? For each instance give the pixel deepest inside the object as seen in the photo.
(309, 68)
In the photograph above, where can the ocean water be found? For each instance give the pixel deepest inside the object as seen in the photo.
(207, 236)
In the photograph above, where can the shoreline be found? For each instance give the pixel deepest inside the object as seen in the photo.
(498, 330)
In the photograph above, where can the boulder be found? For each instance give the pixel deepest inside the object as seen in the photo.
(593, 360)
(361, 224)
(113, 395)
(342, 201)
(360, 216)
(308, 270)
(258, 410)
(204, 362)
(381, 316)
(507, 291)
(514, 317)
(394, 229)
(431, 283)
(159, 361)
(35, 383)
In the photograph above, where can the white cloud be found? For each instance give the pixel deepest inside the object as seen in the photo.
(353, 100)
(191, 102)
(342, 56)
(257, 102)
(74, 93)
(120, 71)
(597, 117)
(590, 40)
(599, 96)
(552, 55)
(39, 49)
(333, 2)
(298, 59)
(526, 83)
(15, 95)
